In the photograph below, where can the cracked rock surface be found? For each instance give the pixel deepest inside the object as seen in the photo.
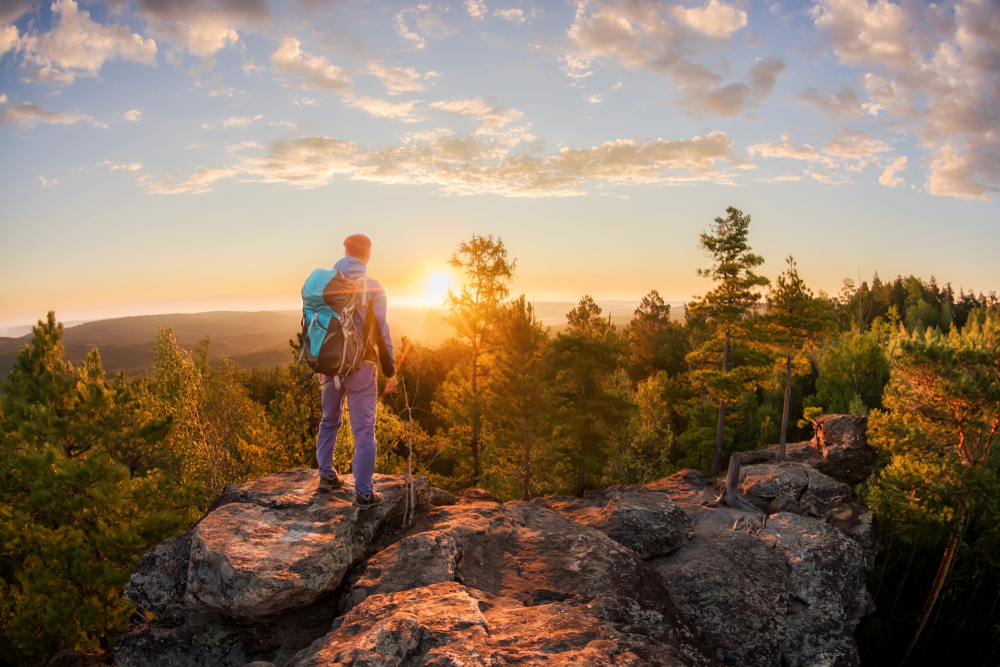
(279, 575)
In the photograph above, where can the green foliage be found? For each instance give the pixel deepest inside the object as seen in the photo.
(520, 404)
(733, 263)
(77, 509)
(655, 343)
(589, 403)
(938, 477)
(474, 313)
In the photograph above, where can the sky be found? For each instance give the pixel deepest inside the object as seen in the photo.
(184, 156)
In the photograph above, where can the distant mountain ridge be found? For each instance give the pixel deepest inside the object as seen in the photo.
(252, 339)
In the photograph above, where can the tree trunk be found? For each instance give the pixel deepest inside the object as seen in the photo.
(581, 482)
(788, 407)
(527, 458)
(474, 443)
(721, 430)
(939, 579)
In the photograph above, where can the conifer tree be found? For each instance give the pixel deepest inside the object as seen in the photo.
(518, 390)
(943, 418)
(73, 519)
(734, 298)
(583, 363)
(656, 343)
(473, 313)
(797, 320)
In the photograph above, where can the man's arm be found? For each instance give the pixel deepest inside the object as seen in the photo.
(383, 339)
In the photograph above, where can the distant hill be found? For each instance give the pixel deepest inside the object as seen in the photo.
(252, 339)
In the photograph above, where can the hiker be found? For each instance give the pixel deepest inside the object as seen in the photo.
(360, 387)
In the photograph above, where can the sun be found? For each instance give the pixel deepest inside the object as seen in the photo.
(437, 285)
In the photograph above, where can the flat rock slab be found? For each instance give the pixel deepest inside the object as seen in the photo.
(280, 544)
(648, 523)
(450, 624)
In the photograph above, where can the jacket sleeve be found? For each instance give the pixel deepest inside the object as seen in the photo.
(383, 339)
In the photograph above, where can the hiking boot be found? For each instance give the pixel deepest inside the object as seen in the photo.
(366, 500)
(330, 482)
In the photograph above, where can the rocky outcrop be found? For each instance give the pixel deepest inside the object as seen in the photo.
(648, 523)
(279, 574)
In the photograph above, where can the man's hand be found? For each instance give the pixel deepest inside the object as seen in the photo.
(391, 384)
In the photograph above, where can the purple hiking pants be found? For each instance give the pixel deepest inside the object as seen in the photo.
(361, 391)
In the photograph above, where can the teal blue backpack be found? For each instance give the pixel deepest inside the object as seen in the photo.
(331, 344)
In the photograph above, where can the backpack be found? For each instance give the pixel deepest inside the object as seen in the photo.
(331, 344)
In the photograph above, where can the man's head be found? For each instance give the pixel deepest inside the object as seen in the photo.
(358, 245)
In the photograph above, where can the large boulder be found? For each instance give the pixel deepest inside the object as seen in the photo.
(650, 524)
(215, 594)
(843, 442)
(785, 590)
(839, 449)
(451, 624)
(793, 487)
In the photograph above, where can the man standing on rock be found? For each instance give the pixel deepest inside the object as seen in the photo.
(359, 388)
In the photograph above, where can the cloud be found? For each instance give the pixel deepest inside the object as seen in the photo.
(132, 115)
(933, 69)
(29, 115)
(46, 182)
(235, 121)
(218, 89)
(594, 99)
(785, 150)
(953, 175)
(490, 115)
(764, 76)
(844, 103)
(636, 35)
(639, 35)
(8, 38)
(515, 15)
(402, 111)
(429, 23)
(77, 46)
(716, 19)
(201, 27)
(576, 68)
(888, 177)
(855, 145)
(396, 79)
(476, 8)
(197, 183)
(3, 98)
(287, 124)
(486, 163)
(313, 72)
(131, 167)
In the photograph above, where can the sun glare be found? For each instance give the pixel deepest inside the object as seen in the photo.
(436, 286)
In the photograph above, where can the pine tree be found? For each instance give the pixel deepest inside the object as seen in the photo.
(734, 298)
(474, 313)
(582, 366)
(798, 320)
(942, 418)
(520, 396)
(656, 343)
(73, 519)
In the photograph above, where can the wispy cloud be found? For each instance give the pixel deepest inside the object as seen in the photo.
(199, 182)
(29, 115)
(490, 115)
(311, 72)
(406, 112)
